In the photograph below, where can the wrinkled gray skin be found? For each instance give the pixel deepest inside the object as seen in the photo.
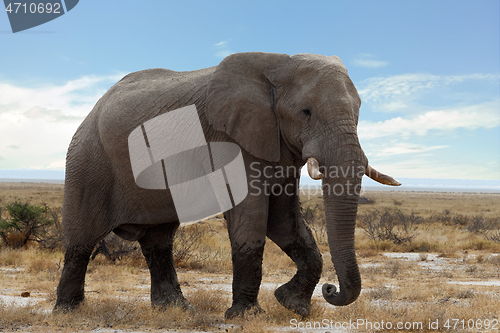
(259, 101)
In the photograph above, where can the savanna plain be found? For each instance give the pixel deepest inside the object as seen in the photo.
(429, 262)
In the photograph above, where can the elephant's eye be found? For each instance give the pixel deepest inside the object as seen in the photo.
(307, 113)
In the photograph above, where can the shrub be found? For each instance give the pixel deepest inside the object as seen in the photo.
(54, 237)
(493, 236)
(370, 223)
(191, 247)
(189, 244)
(113, 247)
(444, 218)
(420, 246)
(492, 230)
(26, 222)
(310, 214)
(390, 225)
(478, 224)
(315, 218)
(393, 268)
(469, 293)
(460, 219)
(365, 201)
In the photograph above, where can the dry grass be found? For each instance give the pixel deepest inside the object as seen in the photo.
(35, 193)
(428, 286)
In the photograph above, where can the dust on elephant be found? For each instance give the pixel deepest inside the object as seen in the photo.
(283, 111)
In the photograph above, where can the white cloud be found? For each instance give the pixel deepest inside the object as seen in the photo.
(470, 117)
(38, 112)
(223, 53)
(57, 165)
(63, 57)
(434, 167)
(396, 93)
(370, 63)
(367, 60)
(222, 50)
(37, 123)
(403, 148)
(71, 98)
(395, 106)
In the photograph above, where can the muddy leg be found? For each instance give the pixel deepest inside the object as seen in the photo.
(156, 245)
(289, 231)
(70, 291)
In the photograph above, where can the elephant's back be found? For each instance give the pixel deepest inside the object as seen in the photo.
(148, 74)
(143, 95)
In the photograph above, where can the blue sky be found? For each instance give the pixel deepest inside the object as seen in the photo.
(428, 72)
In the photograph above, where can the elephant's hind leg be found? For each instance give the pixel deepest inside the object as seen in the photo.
(156, 245)
(289, 231)
(70, 291)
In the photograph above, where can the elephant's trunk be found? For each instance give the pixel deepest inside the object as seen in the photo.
(341, 218)
(341, 194)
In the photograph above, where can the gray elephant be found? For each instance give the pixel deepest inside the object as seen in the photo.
(283, 111)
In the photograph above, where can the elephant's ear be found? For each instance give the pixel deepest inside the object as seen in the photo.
(240, 101)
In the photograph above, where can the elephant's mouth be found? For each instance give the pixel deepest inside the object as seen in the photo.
(315, 173)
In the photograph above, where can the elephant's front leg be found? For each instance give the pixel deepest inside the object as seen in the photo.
(156, 245)
(247, 225)
(289, 231)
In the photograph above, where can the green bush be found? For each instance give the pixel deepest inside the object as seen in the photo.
(25, 223)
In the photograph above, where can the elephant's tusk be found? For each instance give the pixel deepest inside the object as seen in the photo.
(380, 177)
(313, 168)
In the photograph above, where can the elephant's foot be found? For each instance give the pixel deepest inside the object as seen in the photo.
(239, 310)
(67, 306)
(178, 301)
(288, 297)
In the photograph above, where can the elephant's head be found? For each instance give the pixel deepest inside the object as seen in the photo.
(309, 103)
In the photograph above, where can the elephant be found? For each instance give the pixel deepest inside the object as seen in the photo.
(283, 112)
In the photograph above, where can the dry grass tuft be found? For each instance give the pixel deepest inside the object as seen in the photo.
(368, 252)
(382, 292)
(393, 268)
(12, 318)
(42, 265)
(10, 257)
(206, 300)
